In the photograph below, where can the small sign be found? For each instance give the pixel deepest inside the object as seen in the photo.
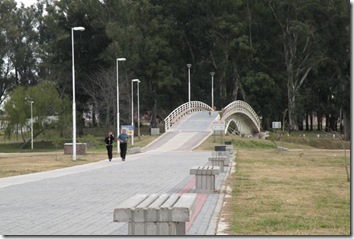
(129, 129)
(276, 125)
(218, 125)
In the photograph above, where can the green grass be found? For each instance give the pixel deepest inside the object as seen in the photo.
(276, 194)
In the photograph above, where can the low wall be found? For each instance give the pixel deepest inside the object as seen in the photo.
(80, 148)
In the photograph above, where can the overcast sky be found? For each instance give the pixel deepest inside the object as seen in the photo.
(26, 2)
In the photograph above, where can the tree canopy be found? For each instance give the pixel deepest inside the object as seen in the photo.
(280, 56)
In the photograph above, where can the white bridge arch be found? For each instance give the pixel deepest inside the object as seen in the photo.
(240, 118)
(184, 109)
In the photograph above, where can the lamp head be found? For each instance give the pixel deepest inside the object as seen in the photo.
(121, 59)
(136, 80)
(78, 29)
(189, 65)
(212, 73)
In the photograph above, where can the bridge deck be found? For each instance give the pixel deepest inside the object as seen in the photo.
(186, 134)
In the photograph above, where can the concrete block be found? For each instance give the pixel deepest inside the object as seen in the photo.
(181, 211)
(225, 158)
(157, 214)
(134, 150)
(152, 212)
(81, 148)
(165, 214)
(155, 131)
(123, 212)
(215, 161)
(205, 178)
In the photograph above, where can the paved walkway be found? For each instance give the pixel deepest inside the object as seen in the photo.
(80, 200)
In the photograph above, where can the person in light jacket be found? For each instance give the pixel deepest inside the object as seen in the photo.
(123, 140)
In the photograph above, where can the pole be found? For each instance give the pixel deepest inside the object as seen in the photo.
(189, 85)
(132, 113)
(138, 110)
(118, 114)
(74, 104)
(134, 80)
(73, 75)
(31, 126)
(212, 89)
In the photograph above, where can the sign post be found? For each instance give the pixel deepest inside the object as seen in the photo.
(219, 126)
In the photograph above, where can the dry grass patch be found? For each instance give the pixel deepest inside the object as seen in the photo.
(12, 164)
(303, 192)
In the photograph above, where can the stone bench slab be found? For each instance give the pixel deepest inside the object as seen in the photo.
(156, 207)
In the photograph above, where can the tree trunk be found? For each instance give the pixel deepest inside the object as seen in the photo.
(327, 123)
(291, 110)
(153, 121)
(346, 124)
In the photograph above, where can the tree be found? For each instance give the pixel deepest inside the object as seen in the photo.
(19, 41)
(102, 91)
(300, 52)
(49, 110)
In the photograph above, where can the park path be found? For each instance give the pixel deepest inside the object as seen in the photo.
(80, 200)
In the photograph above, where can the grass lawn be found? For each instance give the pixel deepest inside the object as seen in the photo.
(16, 161)
(298, 193)
(302, 192)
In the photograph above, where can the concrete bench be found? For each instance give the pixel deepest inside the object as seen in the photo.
(205, 178)
(230, 148)
(218, 161)
(281, 149)
(156, 214)
(80, 148)
(225, 156)
(134, 150)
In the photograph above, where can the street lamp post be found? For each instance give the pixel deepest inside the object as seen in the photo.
(212, 89)
(134, 80)
(118, 116)
(31, 125)
(189, 85)
(138, 93)
(73, 75)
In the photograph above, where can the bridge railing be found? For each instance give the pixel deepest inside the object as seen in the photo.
(184, 109)
(242, 107)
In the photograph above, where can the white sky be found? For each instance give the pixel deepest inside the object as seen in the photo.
(26, 2)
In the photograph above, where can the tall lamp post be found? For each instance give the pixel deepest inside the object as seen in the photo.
(73, 73)
(212, 89)
(118, 118)
(189, 85)
(134, 80)
(138, 93)
(31, 125)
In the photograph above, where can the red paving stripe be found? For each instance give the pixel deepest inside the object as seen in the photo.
(201, 198)
(189, 186)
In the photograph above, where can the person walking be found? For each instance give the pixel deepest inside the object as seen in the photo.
(123, 139)
(109, 144)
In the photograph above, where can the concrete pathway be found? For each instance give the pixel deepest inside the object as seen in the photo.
(80, 200)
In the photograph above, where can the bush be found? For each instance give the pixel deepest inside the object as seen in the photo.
(90, 140)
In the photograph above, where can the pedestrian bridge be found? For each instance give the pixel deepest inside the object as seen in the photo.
(238, 116)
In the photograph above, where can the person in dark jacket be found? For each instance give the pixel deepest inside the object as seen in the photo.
(109, 144)
(123, 139)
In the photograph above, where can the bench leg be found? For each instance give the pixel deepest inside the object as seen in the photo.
(205, 183)
(157, 228)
